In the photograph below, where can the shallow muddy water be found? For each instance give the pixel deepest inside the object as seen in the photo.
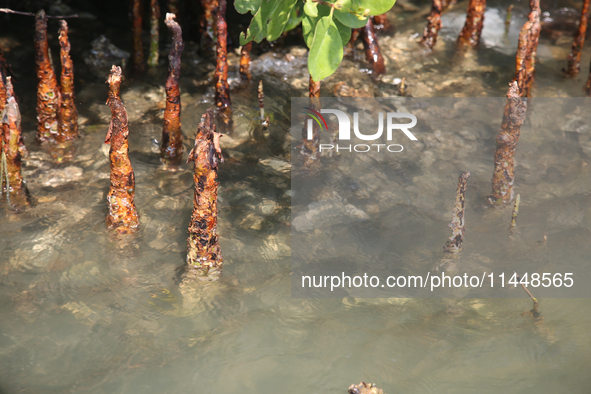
(84, 312)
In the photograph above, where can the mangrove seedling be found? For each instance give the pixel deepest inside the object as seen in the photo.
(122, 216)
(204, 257)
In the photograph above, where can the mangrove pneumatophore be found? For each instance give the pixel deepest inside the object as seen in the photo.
(136, 34)
(434, 22)
(154, 33)
(48, 94)
(13, 149)
(515, 212)
(457, 225)
(204, 257)
(172, 136)
(122, 215)
(503, 175)
(207, 23)
(222, 89)
(525, 59)
(573, 62)
(3, 75)
(364, 388)
(372, 48)
(245, 75)
(470, 35)
(67, 114)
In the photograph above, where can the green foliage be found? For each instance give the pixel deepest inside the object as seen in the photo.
(326, 25)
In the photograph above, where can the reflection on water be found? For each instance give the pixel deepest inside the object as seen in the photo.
(84, 312)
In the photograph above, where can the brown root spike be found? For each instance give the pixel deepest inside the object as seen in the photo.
(207, 23)
(433, 24)
(48, 94)
(458, 231)
(222, 89)
(68, 114)
(364, 388)
(372, 49)
(470, 35)
(525, 60)
(172, 136)
(12, 180)
(154, 33)
(503, 176)
(574, 58)
(245, 75)
(138, 50)
(310, 146)
(122, 215)
(204, 257)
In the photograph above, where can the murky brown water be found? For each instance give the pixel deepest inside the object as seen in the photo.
(84, 312)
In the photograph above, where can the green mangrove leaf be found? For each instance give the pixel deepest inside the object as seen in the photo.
(309, 24)
(326, 51)
(295, 17)
(348, 18)
(311, 8)
(344, 31)
(278, 18)
(376, 7)
(269, 21)
(244, 6)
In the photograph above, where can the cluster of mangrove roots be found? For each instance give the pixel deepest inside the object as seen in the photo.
(245, 75)
(470, 35)
(207, 23)
(573, 65)
(172, 137)
(154, 33)
(372, 48)
(310, 147)
(454, 245)
(13, 149)
(364, 388)
(136, 35)
(222, 89)
(525, 60)
(57, 116)
(204, 257)
(122, 215)
(503, 176)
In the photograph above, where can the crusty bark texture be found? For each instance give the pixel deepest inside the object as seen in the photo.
(372, 49)
(222, 89)
(454, 245)
(122, 215)
(503, 176)
(67, 114)
(172, 136)
(470, 35)
(433, 24)
(573, 64)
(48, 94)
(13, 150)
(525, 60)
(204, 257)
(207, 23)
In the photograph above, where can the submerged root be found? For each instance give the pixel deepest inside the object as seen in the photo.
(458, 231)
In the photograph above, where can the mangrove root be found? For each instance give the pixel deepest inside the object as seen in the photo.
(454, 245)
(68, 114)
(48, 94)
(122, 215)
(264, 121)
(349, 49)
(204, 257)
(172, 136)
(515, 211)
(222, 89)
(154, 33)
(364, 388)
(503, 176)
(138, 50)
(535, 312)
(13, 150)
(245, 75)
(372, 49)
(573, 65)
(381, 22)
(310, 146)
(470, 35)
(525, 60)
(433, 25)
(207, 24)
